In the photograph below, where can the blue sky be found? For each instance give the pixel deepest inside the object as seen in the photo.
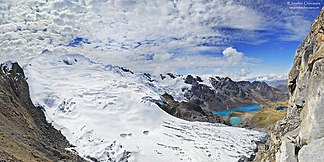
(237, 38)
(276, 51)
(277, 54)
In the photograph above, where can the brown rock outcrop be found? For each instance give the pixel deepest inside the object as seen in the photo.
(25, 134)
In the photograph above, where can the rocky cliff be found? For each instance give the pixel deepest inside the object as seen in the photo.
(203, 97)
(190, 110)
(225, 93)
(25, 134)
(300, 136)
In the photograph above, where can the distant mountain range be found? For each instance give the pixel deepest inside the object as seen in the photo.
(277, 81)
(280, 84)
(269, 78)
(219, 94)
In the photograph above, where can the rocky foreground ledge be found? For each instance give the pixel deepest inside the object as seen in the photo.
(25, 134)
(300, 136)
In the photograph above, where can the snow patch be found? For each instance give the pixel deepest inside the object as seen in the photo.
(6, 67)
(269, 78)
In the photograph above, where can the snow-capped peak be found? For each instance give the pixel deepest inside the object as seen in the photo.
(269, 78)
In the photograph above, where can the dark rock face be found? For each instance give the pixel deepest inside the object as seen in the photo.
(226, 93)
(126, 70)
(190, 111)
(191, 80)
(24, 131)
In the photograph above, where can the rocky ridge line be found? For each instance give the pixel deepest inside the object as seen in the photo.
(203, 97)
(25, 134)
(225, 93)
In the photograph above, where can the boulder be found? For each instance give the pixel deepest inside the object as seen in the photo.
(287, 152)
(313, 152)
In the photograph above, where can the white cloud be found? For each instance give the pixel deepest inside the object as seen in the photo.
(271, 77)
(244, 72)
(296, 27)
(230, 63)
(122, 32)
(233, 57)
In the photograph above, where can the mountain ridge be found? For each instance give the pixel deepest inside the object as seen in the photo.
(25, 133)
(225, 93)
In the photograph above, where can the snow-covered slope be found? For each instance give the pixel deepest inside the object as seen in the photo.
(107, 114)
(174, 85)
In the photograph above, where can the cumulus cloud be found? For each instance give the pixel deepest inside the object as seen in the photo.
(244, 72)
(233, 57)
(230, 63)
(124, 32)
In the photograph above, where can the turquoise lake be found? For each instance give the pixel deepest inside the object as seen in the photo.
(239, 109)
(235, 120)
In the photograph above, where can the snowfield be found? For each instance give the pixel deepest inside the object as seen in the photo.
(108, 115)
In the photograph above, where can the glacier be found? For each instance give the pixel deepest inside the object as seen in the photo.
(107, 115)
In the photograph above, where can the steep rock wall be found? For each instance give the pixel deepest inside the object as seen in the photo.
(300, 136)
